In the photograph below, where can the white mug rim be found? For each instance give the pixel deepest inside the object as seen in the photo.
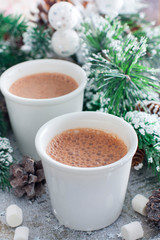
(91, 170)
(44, 101)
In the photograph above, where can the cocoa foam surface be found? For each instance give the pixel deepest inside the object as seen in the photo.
(43, 85)
(85, 147)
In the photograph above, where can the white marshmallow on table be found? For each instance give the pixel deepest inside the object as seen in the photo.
(139, 204)
(21, 233)
(132, 231)
(14, 215)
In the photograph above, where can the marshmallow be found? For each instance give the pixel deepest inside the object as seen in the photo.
(139, 204)
(132, 231)
(14, 215)
(21, 233)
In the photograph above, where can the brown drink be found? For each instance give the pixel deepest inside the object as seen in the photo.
(86, 147)
(43, 85)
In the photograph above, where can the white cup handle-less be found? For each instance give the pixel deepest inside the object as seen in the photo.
(87, 198)
(28, 115)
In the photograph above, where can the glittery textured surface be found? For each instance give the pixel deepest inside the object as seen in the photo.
(44, 226)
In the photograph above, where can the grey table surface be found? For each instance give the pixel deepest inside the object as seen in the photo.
(43, 225)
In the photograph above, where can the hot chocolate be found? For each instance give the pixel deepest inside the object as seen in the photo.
(43, 85)
(86, 147)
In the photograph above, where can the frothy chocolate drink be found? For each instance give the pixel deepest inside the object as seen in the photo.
(43, 85)
(86, 147)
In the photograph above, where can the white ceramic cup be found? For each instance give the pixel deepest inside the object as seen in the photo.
(27, 115)
(87, 198)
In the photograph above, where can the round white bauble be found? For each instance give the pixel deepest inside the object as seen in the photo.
(63, 15)
(65, 42)
(109, 7)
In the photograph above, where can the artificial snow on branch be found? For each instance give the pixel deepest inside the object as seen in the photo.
(114, 69)
(6, 160)
(20, 42)
(147, 127)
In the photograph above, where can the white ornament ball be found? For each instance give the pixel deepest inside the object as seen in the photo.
(65, 43)
(110, 7)
(63, 15)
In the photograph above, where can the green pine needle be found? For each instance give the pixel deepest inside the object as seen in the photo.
(11, 34)
(118, 63)
(5, 175)
(98, 32)
(19, 43)
(140, 27)
(119, 78)
(147, 127)
(38, 42)
(5, 162)
(10, 55)
(3, 125)
(12, 26)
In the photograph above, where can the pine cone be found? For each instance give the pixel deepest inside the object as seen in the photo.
(41, 17)
(138, 158)
(152, 107)
(153, 208)
(27, 178)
